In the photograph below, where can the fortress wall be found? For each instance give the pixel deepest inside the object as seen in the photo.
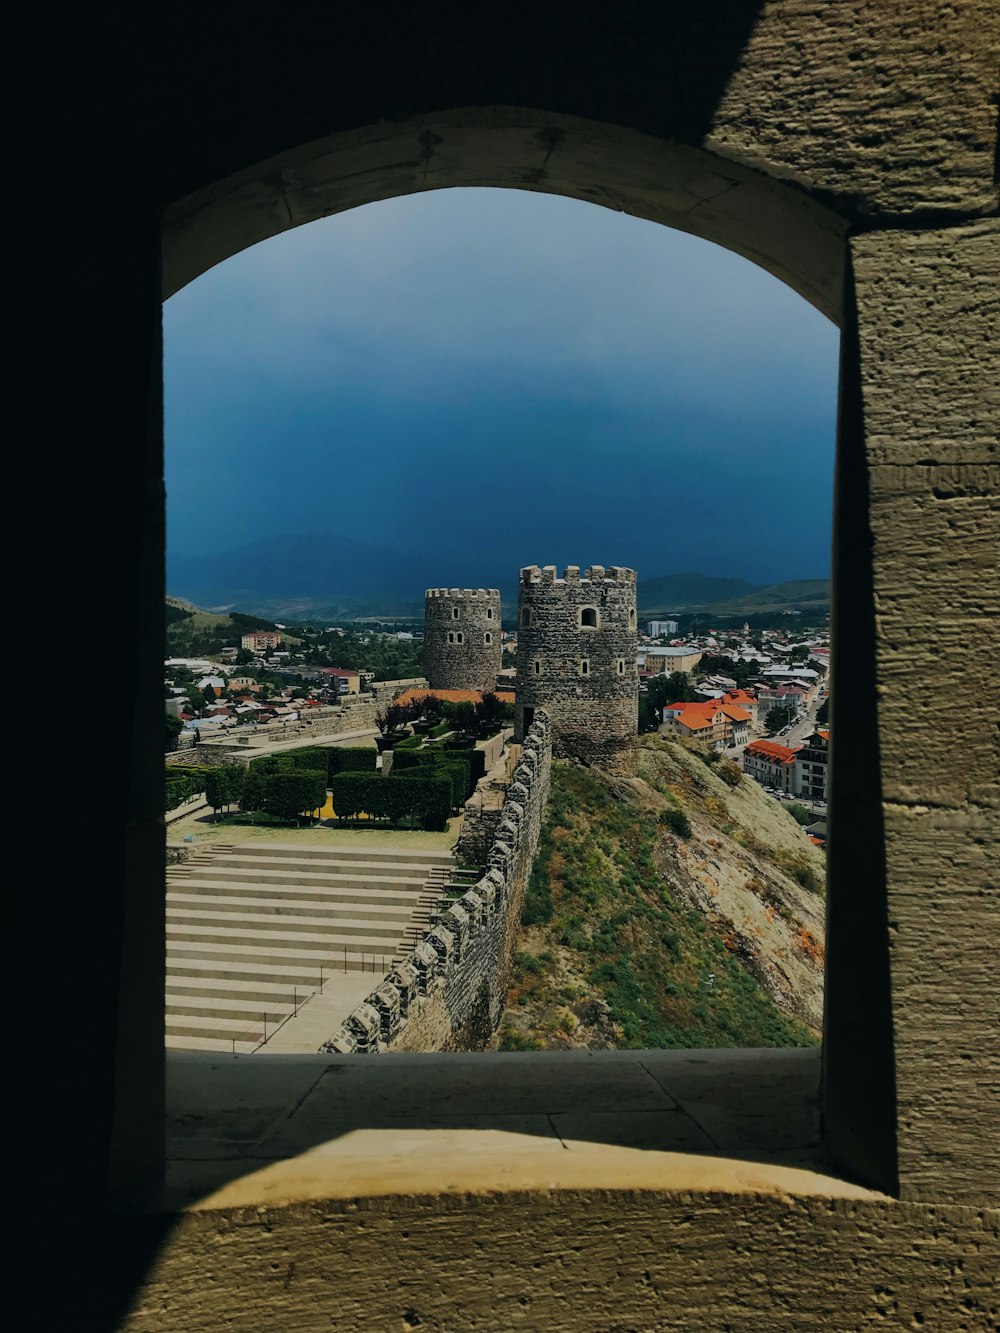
(449, 993)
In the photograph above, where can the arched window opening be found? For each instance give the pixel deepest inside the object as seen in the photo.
(601, 682)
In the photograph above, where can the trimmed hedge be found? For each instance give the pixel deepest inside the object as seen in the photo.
(418, 796)
(288, 795)
(350, 759)
(182, 782)
(456, 763)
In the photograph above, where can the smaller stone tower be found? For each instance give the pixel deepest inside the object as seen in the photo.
(462, 649)
(576, 650)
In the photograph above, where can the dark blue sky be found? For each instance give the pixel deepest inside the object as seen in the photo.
(559, 382)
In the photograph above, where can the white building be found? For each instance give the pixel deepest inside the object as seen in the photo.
(657, 629)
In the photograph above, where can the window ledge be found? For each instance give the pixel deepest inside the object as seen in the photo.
(262, 1130)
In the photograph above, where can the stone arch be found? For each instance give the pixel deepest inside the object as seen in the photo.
(797, 238)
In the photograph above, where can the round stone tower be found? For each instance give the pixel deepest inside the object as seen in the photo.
(462, 648)
(576, 649)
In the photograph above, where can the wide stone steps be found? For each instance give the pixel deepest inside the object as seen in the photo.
(302, 950)
(254, 929)
(262, 933)
(220, 888)
(360, 870)
(248, 970)
(212, 987)
(181, 905)
(304, 878)
(343, 855)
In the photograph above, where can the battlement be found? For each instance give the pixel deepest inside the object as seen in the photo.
(462, 592)
(548, 574)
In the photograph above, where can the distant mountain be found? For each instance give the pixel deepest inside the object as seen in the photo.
(797, 594)
(697, 592)
(674, 592)
(302, 576)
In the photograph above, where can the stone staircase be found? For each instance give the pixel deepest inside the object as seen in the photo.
(254, 929)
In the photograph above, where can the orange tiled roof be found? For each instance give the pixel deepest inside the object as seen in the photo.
(780, 754)
(452, 696)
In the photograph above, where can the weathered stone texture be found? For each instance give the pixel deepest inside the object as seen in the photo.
(889, 107)
(568, 1260)
(927, 307)
(463, 962)
(462, 648)
(928, 310)
(583, 674)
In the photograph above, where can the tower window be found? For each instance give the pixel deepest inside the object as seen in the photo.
(585, 666)
(455, 613)
(621, 666)
(487, 638)
(455, 637)
(588, 617)
(489, 613)
(525, 615)
(631, 619)
(536, 667)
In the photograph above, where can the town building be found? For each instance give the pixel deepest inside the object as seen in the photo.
(812, 762)
(342, 680)
(715, 722)
(770, 697)
(772, 765)
(657, 628)
(664, 661)
(260, 640)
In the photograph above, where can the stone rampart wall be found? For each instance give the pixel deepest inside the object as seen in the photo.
(449, 993)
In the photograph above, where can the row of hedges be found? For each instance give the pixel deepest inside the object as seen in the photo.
(181, 783)
(327, 759)
(464, 766)
(424, 795)
(296, 794)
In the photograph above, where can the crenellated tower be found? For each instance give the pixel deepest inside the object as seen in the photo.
(462, 649)
(576, 658)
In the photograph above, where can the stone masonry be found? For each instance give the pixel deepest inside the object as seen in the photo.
(449, 993)
(462, 648)
(576, 658)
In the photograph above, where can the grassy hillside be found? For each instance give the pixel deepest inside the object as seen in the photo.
(796, 594)
(674, 591)
(672, 910)
(192, 632)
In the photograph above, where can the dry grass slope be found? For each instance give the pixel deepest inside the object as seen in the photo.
(668, 910)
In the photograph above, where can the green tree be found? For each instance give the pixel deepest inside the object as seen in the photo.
(209, 697)
(174, 728)
(779, 717)
(243, 656)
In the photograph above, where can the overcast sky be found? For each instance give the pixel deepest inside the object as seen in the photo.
(563, 383)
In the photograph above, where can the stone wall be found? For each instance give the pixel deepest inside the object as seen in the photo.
(462, 649)
(449, 993)
(576, 658)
